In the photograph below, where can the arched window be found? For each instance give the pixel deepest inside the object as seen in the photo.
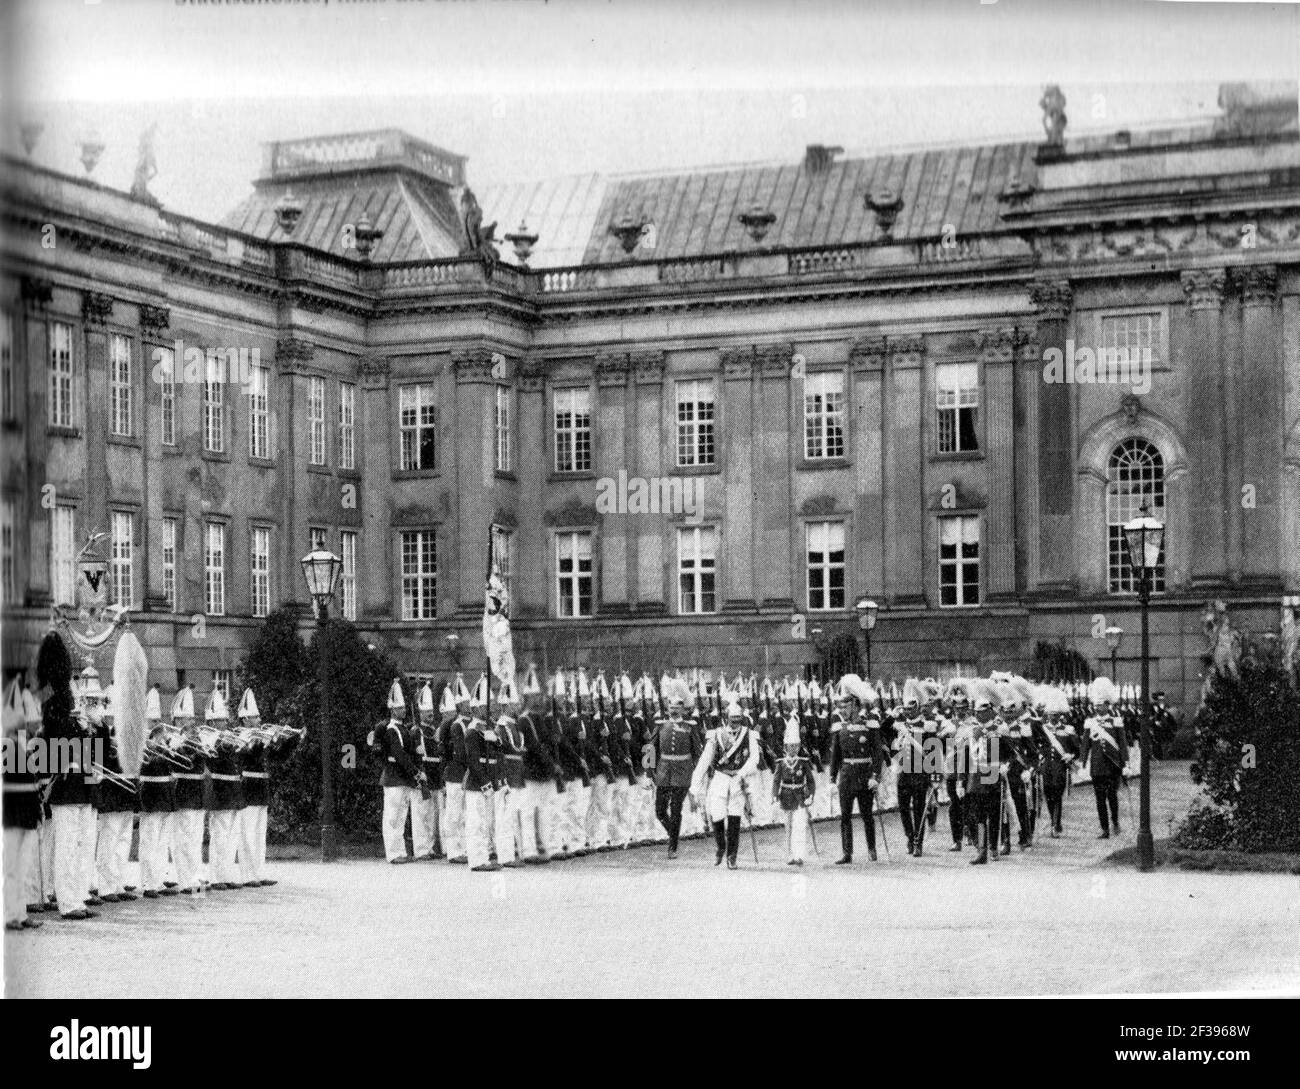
(1135, 475)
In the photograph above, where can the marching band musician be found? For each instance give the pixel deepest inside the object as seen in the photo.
(857, 754)
(678, 750)
(509, 798)
(913, 730)
(401, 776)
(1105, 752)
(793, 787)
(484, 785)
(427, 803)
(157, 800)
(227, 797)
(116, 812)
(22, 811)
(1060, 751)
(255, 773)
(542, 773)
(454, 708)
(721, 781)
(191, 807)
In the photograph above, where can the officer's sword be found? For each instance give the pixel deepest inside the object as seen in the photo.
(812, 831)
(749, 820)
(884, 839)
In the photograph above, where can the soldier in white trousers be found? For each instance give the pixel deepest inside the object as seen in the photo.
(537, 801)
(427, 805)
(484, 784)
(401, 776)
(454, 708)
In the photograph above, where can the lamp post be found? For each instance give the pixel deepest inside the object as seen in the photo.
(1145, 539)
(1113, 636)
(321, 569)
(867, 610)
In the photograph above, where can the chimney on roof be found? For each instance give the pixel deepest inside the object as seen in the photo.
(817, 158)
(1257, 109)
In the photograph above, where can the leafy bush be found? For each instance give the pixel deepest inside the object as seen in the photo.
(1248, 750)
(1206, 828)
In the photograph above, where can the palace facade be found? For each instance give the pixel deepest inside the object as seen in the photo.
(699, 415)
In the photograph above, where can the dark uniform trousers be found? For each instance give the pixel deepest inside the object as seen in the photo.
(913, 789)
(668, 810)
(1106, 791)
(956, 809)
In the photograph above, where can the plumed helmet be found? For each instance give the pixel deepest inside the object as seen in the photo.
(734, 710)
(1102, 690)
(1007, 696)
(851, 687)
(1025, 689)
(623, 687)
(507, 693)
(674, 690)
(557, 684)
(955, 690)
(583, 686)
(1054, 701)
(248, 705)
(913, 694)
(396, 701)
(447, 704)
(791, 736)
(424, 699)
(31, 707)
(531, 685)
(601, 687)
(459, 689)
(982, 693)
(933, 690)
(183, 703)
(153, 705)
(216, 709)
(479, 697)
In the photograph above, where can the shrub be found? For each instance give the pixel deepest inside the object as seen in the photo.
(1206, 828)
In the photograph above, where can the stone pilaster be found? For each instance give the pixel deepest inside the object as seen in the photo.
(904, 499)
(611, 455)
(776, 449)
(652, 436)
(533, 555)
(1259, 403)
(1053, 300)
(1207, 430)
(1028, 382)
(867, 363)
(289, 389)
(997, 354)
(471, 428)
(374, 423)
(734, 435)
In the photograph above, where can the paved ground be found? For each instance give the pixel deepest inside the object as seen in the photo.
(1056, 919)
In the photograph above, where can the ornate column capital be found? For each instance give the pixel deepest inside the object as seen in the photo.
(868, 353)
(1204, 288)
(530, 375)
(1029, 349)
(905, 351)
(373, 370)
(998, 345)
(1052, 299)
(612, 369)
(154, 319)
(738, 363)
(648, 367)
(473, 366)
(96, 307)
(774, 359)
(1258, 284)
(36, 292)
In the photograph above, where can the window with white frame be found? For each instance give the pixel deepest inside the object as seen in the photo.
(957, 400)
(60, 375)
(1135, 476)
(119, 386)
(166, 371)
(259, 570)
(348, 579)
(572, 430)
(316, 537)
(121, 580)
(169, 537)
(697, 570)
(214, 569)
(259, 412)
(501, 547)
(63, 555)
(316, 419)
(214, 399)
(959, 561)
(419, 575)
(6, 365)
(695, 419)
(347, 425)
(8, 559)
(823, 415)
(1134, 338)
(573, 576)
(503, 429)
(825, 565)
(418, 416)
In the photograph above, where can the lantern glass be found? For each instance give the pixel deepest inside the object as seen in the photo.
(867, 610)
(321, 569)
(1145, 539)
(1113, 636)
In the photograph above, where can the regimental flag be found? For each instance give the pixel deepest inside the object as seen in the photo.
(496, 620)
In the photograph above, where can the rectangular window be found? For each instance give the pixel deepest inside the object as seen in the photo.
(259, 567)
(60, 374)
(348, 580)
(316, 536)
(825, 565)
(6, 366)
(695, 418)
(169, 534)
(823, 415)
(959, 561)
(501, 543)
(419, 575)
(259, 413)
(214, 398)
(221, 683)
(697, 567)
(63, 556)
(503, 429)
(119, 386)
(347, 425)
(573, 574)
(121, 586)
(166, 358)
(572, 430)
(957, 399)
(1131, 337)
(418, 419)
(214, 569)
(316, 419)
(8, 569)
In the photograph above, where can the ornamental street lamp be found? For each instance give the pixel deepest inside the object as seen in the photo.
(867, 610)
(321, 569)
(1145, 539)
(1113, 636)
